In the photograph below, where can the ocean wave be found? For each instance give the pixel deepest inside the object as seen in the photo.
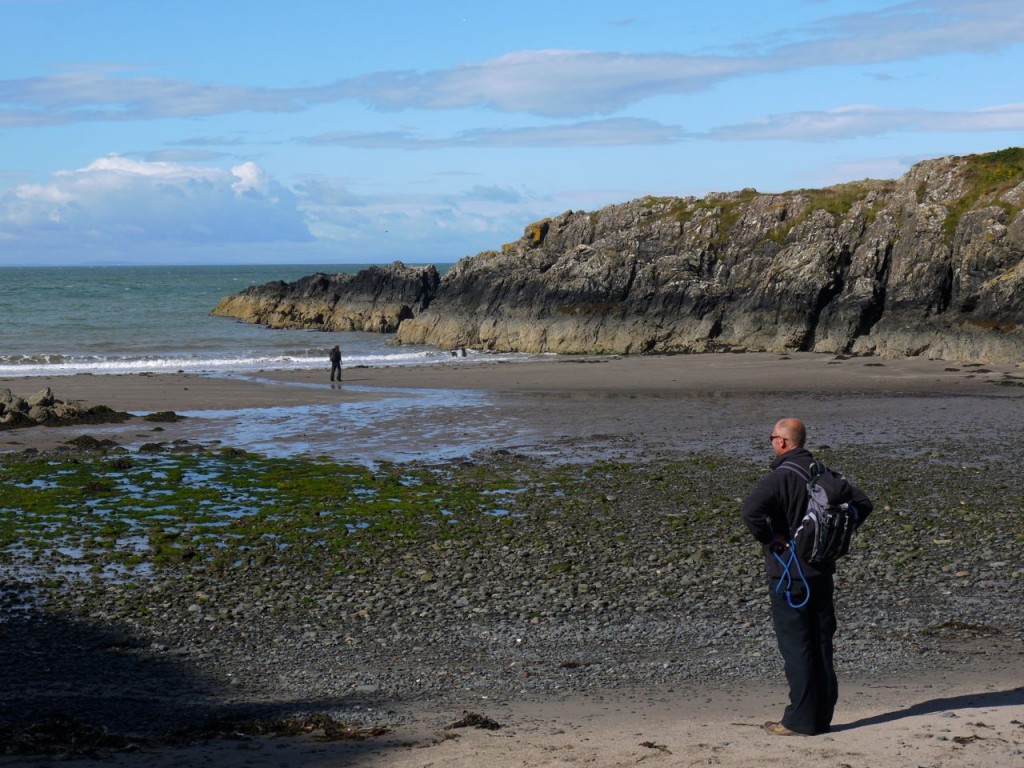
(20, 366)
(44, 359)
(157, 319)
(99, 365)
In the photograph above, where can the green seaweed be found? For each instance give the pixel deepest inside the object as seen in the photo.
(85, 517)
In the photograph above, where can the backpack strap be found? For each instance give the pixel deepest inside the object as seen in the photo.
(792, 562)
(792, 466)
(809, 476)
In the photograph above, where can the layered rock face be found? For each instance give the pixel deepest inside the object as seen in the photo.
(931, 264)
(376, 299)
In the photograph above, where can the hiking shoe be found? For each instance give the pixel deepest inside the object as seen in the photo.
(778, 729)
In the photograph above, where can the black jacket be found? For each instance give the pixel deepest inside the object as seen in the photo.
(778, 504)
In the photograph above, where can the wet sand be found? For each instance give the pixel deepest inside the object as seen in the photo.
(751, 373)
(648, 404)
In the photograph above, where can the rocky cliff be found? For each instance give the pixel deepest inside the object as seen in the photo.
(376, 299)
(930, 264)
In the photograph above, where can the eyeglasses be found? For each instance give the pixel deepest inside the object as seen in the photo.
(773, 438)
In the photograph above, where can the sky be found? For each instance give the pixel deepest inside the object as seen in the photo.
(333, 132)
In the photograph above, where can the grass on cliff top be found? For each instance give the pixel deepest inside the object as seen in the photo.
(989, 176)
(837, 200)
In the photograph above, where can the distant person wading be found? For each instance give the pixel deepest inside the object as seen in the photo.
(335, 356)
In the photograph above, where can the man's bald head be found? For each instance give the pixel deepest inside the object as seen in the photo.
(788, 435)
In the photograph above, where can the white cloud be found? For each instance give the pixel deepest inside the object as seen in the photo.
(496, 194)
(91, 95)
(551, 83)
(591, 133)
(251, 179)
(414, 226)
(120, 203)
(572, 83)
(909, 30)
(858, 120)
(844, 122)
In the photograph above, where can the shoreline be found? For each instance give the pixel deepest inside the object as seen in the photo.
(605, 407)
(726, 373)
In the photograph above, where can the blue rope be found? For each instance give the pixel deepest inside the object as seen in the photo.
(785, 585)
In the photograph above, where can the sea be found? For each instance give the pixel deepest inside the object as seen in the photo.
(156, 319)
(135, 319)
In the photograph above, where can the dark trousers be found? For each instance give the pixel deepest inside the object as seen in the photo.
(805, 642)
(335, 368)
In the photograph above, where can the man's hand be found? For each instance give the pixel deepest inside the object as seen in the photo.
(779, 544)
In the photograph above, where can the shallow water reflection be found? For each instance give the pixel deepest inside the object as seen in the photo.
(416, 425)
(400, 425)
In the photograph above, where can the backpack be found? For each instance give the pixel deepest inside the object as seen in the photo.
(825, 532)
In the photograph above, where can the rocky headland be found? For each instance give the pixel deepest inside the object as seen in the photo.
(930, 264)
(376, 299)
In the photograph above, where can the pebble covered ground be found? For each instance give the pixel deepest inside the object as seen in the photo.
(586, 576)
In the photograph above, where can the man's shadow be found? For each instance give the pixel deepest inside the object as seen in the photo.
(1009, 698)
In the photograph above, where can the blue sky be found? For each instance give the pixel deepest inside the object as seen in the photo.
(231, 131)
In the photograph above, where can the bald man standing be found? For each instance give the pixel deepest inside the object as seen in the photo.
(801, 594)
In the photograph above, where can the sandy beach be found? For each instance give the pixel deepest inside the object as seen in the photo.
(725, 373)
(967, 719)
(442, 411)
(970, 714)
